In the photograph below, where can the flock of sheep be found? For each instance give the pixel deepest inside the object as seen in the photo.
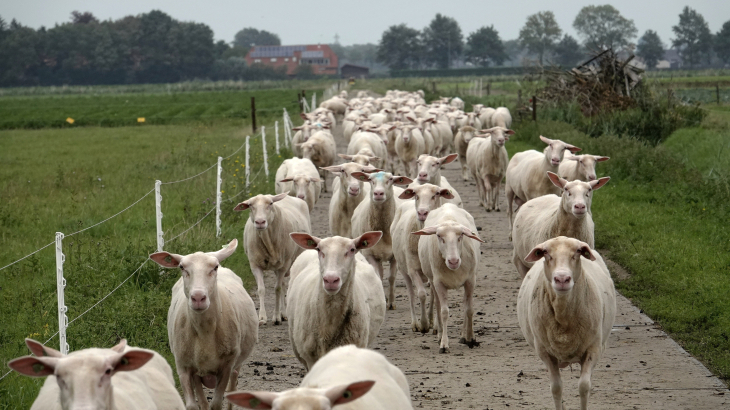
(391, 205)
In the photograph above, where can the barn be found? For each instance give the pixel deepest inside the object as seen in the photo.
(355, 71)
(320, 56)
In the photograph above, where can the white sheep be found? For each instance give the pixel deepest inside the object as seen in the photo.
(266, 244)
(119, 378)
(566, 309)
(501, 118)
(429, 172)
(299, 178)
(335, 297)
(372, 144)
(375, 213)
(549, 216)
(303, 132)
(526, 174)
(409, 218)
(485, 116)
(457, 102)
(579, 167)
(346, 378)
(450, 262)
(211, 324)
(461, 144)
(347, 193)
(409, 145)
(359, 159)
(321, 150)
(487, 160)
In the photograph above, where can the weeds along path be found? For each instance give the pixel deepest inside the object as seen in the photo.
(642, 369)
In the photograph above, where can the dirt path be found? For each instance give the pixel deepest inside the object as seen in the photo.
(642, 369)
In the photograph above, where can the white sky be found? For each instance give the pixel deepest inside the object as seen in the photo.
(303, 22)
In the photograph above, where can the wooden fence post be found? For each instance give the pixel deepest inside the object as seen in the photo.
(299, 101)
(253, 113)
(433, 86)
(534, 108)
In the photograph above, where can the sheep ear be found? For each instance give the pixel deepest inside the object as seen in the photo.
(600, 159)
(446, 193)
(297, 128)
(448, 159)
(373, 159)
(509, 132)
(347, 393)
(334, 169)
(305, 240)
(573, 148)
(361, 176)
(556, 180)
(367, 240)
(277, 198)
(345, 156)
(253, 400)
(119, 347)
(315, 179)
(41, 351)
(242, 206)
(599, 183)
(162, 259)
(407, 194)
(34, 366)
(585, 251)
(536, 254)
(130, 360)
(425, 231)
(546, 140)
(304, 116)
(370, 169)
(466, 231)
(397, 180)
(222, 254)
(286, 180)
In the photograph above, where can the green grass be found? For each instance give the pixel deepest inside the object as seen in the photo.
(156, 108)
(68, 179)
(667, 223)
(707, 147)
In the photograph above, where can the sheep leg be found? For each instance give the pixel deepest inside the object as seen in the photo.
(220, 388)
(520, 265)
(378, 266)
(424, 325)
(202, 398)
(584, 386)
(323, 176)
(279, 308)
(464, 168)
(258, 274)
(411, 298)
(467, 333)
(556, 383)
(443, 312)
(391, 282)
(413, 168)
(488, 194)
(232, 385)
(510, 198)
(186, 382)
(495, 195)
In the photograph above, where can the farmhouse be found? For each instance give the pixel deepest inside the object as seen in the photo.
(320, 56)
(355, 71)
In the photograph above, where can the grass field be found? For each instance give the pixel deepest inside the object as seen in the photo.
(68, 179)
(665, 221)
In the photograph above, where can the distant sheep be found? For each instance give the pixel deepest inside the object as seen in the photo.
(299, 178)
(429, 172)
(579, 167)
(487, 160)
(321, 150)
(461, 143)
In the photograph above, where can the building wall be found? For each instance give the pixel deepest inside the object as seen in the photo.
(320, 56)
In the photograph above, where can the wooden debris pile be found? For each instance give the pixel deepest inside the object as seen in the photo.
(604, 83)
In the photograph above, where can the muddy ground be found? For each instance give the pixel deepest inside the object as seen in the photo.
(642, 368)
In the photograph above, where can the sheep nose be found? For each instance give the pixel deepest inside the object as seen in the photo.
(300, 196)
(378, 194)
(422, 215)
(562, 279)
(331, 282)
(454, 262)
(580, 207)
(591, 177)
(422, 176)
(198, 297)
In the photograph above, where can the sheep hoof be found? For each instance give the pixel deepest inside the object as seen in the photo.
(277, 323)
(391, 307)
(424, 330)
(443, 350)
(497, 210)
(284, 319)
(435, 332)
(489, 210)
(262, 322)
(471, 343)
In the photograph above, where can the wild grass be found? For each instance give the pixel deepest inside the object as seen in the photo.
(663, 220)
(64, 180)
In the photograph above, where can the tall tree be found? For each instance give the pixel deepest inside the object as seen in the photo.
(513, 49)
(400, 48)
(722, 43)
(694, 39)
(251, 36)
(604, 27)
(568, 52)
(443, 41)
(650, 48)
(540, 33)
(484, 47)
(86, 17)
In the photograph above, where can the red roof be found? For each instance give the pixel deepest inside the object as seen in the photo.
(320, 56)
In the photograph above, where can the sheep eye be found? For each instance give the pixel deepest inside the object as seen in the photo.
(181, 267)
(108, 371)
(216, 268)
(352, 250)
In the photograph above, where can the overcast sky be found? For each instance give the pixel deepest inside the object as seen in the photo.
(356, 22)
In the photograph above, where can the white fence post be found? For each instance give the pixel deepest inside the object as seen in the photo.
(248, 168)
(314, 101)
(158, 216)
(276, 132)
(218, 199)
(60, 285)
(266, 157)
(286, 128)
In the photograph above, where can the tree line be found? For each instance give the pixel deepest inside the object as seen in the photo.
(441, 44)
(147, 48)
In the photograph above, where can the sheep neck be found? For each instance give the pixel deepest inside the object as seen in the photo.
(266, 236)
(207, 322)
(567, 310)
(566, 224)
(337, 309)
(381, 214)
(436, 178)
